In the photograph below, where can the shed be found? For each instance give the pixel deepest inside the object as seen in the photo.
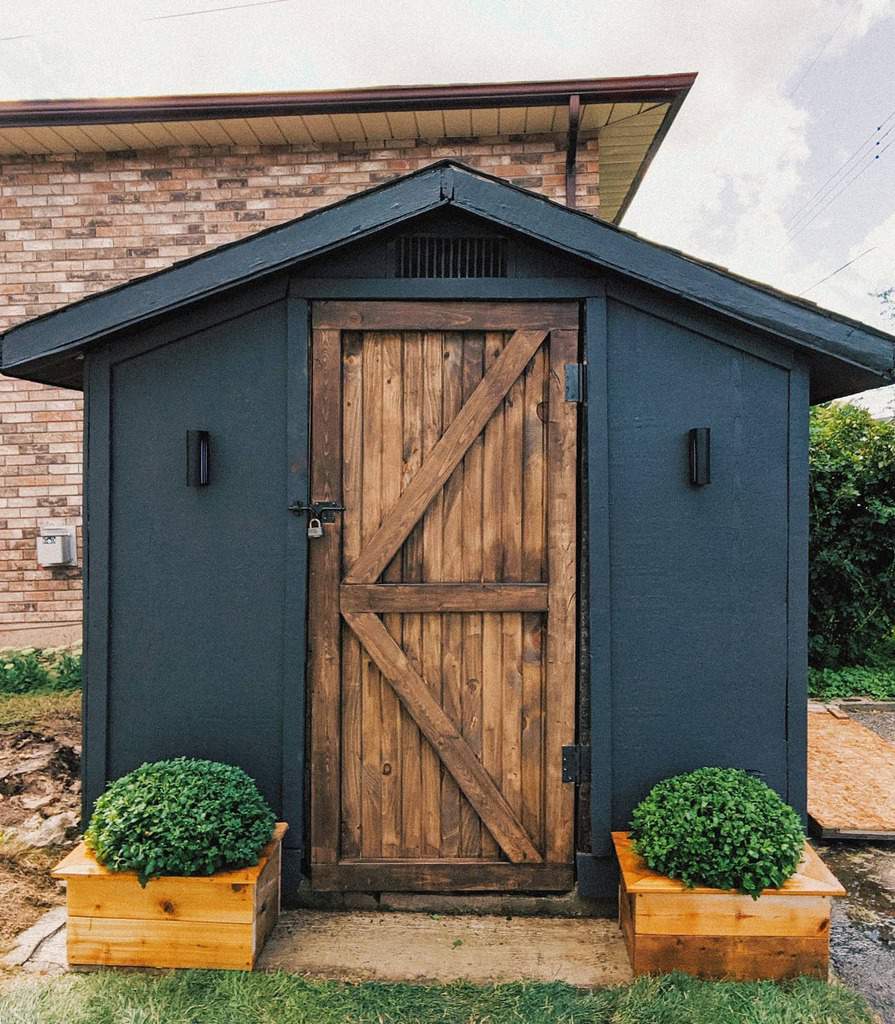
(457, 518)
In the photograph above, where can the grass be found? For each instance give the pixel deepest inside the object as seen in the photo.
(22, 711)
(213, 997)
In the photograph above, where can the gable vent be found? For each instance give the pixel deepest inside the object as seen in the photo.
(446, 256)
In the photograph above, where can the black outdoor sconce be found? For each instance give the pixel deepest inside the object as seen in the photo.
(700, 444)
(198, 450)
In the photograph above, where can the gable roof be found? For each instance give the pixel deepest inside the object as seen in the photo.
(852, 356)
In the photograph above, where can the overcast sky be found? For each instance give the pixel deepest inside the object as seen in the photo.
(788, 92)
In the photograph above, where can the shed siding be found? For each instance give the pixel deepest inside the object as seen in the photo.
(198, 576)
(699, 575)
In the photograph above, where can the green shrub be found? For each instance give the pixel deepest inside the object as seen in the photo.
(852, 553)
(180, 817)
(835, 683)
(23, 672)
(718, 827)
(67, 672)
(39, 671)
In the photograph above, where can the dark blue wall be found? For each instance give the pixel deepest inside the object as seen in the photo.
(699, 574)
(198, 575)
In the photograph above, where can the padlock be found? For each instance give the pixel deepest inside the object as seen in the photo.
(315, 527)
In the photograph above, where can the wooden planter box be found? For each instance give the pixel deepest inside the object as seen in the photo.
(211, 921)
(712, 933)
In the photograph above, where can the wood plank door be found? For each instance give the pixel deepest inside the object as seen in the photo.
(442, 602)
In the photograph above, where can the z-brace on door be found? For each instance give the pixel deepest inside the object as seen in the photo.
(442, 606)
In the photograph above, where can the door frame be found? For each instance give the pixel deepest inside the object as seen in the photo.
(325, 613)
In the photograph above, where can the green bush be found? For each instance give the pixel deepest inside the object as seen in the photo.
(39, 671)
(860, 681)
(852, 554)
(718, 827)
(180, 817)
(23, 672)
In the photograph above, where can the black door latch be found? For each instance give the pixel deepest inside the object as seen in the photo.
(325, 511)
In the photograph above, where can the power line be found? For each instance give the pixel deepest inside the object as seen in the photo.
(819, 54)
(215, 10)
(835, 195)
(838, 270)
(844, 168)
(160, 17)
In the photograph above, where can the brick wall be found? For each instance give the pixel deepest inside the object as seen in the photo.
(74, 225)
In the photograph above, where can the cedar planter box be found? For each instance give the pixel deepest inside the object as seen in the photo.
(713, 933)
(206, 921)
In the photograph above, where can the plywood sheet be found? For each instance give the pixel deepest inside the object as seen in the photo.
(851, 779)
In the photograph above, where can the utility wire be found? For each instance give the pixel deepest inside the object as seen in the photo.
(819, 54)
(835, 195)
(161, 17)
(215, 10)
(844, 168)
(838, 270)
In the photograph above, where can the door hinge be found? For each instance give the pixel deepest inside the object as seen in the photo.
(576, 764)
(575, 382)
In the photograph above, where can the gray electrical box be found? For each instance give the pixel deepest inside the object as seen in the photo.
(56, 546)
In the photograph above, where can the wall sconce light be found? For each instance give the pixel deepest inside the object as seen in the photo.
(198, 450)
(700, 442)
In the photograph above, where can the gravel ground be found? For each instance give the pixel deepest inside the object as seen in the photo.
(862, 946)
(881, 722)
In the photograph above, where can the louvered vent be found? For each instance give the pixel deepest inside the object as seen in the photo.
(445, 256)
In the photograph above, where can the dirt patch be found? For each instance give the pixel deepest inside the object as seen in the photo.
(39, 811)
(39, 787)
(26, 889)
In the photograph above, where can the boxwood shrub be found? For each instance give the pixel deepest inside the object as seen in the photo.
(180, 817)
(718, 827)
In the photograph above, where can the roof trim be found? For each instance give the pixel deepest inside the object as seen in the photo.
(645, 88)
(70, 328)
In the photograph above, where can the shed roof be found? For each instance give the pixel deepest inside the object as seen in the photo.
(845, 355)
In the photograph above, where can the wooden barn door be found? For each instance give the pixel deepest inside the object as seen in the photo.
(442, 601)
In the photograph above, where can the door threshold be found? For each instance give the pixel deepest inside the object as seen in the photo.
(568, 904)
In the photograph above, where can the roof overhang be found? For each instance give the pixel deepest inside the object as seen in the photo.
(632, 116)
(845, 355)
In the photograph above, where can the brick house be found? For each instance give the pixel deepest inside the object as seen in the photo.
(94, 193)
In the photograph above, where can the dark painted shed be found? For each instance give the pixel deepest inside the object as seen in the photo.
(574, 542)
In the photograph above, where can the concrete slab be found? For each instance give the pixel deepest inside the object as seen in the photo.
(359, 946)
(30, 944)
(389, 946)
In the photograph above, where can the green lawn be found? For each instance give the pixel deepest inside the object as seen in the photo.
(211, 997)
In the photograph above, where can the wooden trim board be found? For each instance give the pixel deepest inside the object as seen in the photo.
(812, 876)
(446, 316)
(434, 876)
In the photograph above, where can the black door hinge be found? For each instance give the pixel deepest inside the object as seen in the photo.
(576, 764)
(575, 382)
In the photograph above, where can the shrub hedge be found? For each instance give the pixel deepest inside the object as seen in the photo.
(180, 817)
(852, 548)
(718, 827)
(859, 681)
